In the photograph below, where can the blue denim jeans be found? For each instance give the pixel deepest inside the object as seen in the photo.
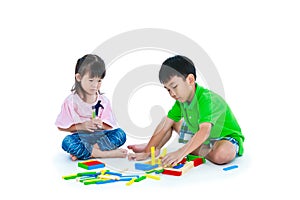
(80, 144)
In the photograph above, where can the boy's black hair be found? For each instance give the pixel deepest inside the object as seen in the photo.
(176, 66)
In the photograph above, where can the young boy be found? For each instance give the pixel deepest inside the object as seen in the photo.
(201, 117)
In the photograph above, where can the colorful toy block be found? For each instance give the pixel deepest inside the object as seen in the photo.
(71, 176)
(230, 167)
(178, 166)
(187, 166)
(152, 155)
(144, 167)
(172, 172)
(153, 176)
(140, 179)
(131, 181)
(198, 161)
(91, 164)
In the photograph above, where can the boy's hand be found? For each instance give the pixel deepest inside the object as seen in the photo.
(138, 156)
(172, 158)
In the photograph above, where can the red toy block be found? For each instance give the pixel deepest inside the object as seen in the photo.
(172, 172)
(92, 164)
(182, 161)
(197, 162)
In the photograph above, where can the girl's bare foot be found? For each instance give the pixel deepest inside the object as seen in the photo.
(117, 153)
(137, 148)
(73, 157)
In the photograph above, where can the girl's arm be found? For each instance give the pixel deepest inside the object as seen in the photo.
(72, 128)
(89, 126)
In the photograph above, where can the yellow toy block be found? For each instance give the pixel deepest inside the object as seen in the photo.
(130, 182)
(152, 155)
(152, 176)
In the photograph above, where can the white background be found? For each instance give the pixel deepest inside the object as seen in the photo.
(254, 45)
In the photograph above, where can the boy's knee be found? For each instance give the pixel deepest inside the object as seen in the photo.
(221, 156)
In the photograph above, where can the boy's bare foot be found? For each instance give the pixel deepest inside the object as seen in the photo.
(73, 157)
(137, 148)
(117, 153)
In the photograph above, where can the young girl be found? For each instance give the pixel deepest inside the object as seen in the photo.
(88, 115)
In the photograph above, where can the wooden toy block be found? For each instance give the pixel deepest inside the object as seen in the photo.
(152, 155)
(82, 179)
(92, 164)
(113, 173)
(182, 161)
(191, 157)
(157, 161)
(173, 172)
(187, 166)
(164, 153)
(86, 173)
(92, 181)
(125, 179)
(106, 181)
(104, 171)
(178, 166)
(230, 167)
(131, 181)
(71, 176)
(159, 171)
(144, 167)
(198, 161)
(110, 177)
(140, 179)
(131, 176)
(153, 176)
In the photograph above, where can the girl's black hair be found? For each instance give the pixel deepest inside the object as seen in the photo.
(91, 64)
(176, 66)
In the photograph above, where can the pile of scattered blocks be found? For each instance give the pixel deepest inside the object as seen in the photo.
(153, 166)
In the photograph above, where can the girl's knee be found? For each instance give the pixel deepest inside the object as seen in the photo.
(69, 141)
(122, 136)
(117, 137)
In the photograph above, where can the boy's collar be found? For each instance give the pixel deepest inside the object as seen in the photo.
(194, 100)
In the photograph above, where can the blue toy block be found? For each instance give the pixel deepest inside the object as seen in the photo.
(145, 167)
(178, 166)
(230, 167)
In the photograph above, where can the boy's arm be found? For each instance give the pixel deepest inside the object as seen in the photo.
(159, 134)
(199, 137)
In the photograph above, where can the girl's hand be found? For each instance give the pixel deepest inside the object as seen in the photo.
(98, 122)
(90, 125)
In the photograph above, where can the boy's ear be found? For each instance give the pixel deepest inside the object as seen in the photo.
(190, 79)
(78, 77)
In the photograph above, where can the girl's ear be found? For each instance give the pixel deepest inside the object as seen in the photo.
(78, 77)
(190, 79)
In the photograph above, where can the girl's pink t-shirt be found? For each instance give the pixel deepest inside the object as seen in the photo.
(74, 110)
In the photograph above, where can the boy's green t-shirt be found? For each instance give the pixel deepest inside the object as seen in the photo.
(208, 106)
